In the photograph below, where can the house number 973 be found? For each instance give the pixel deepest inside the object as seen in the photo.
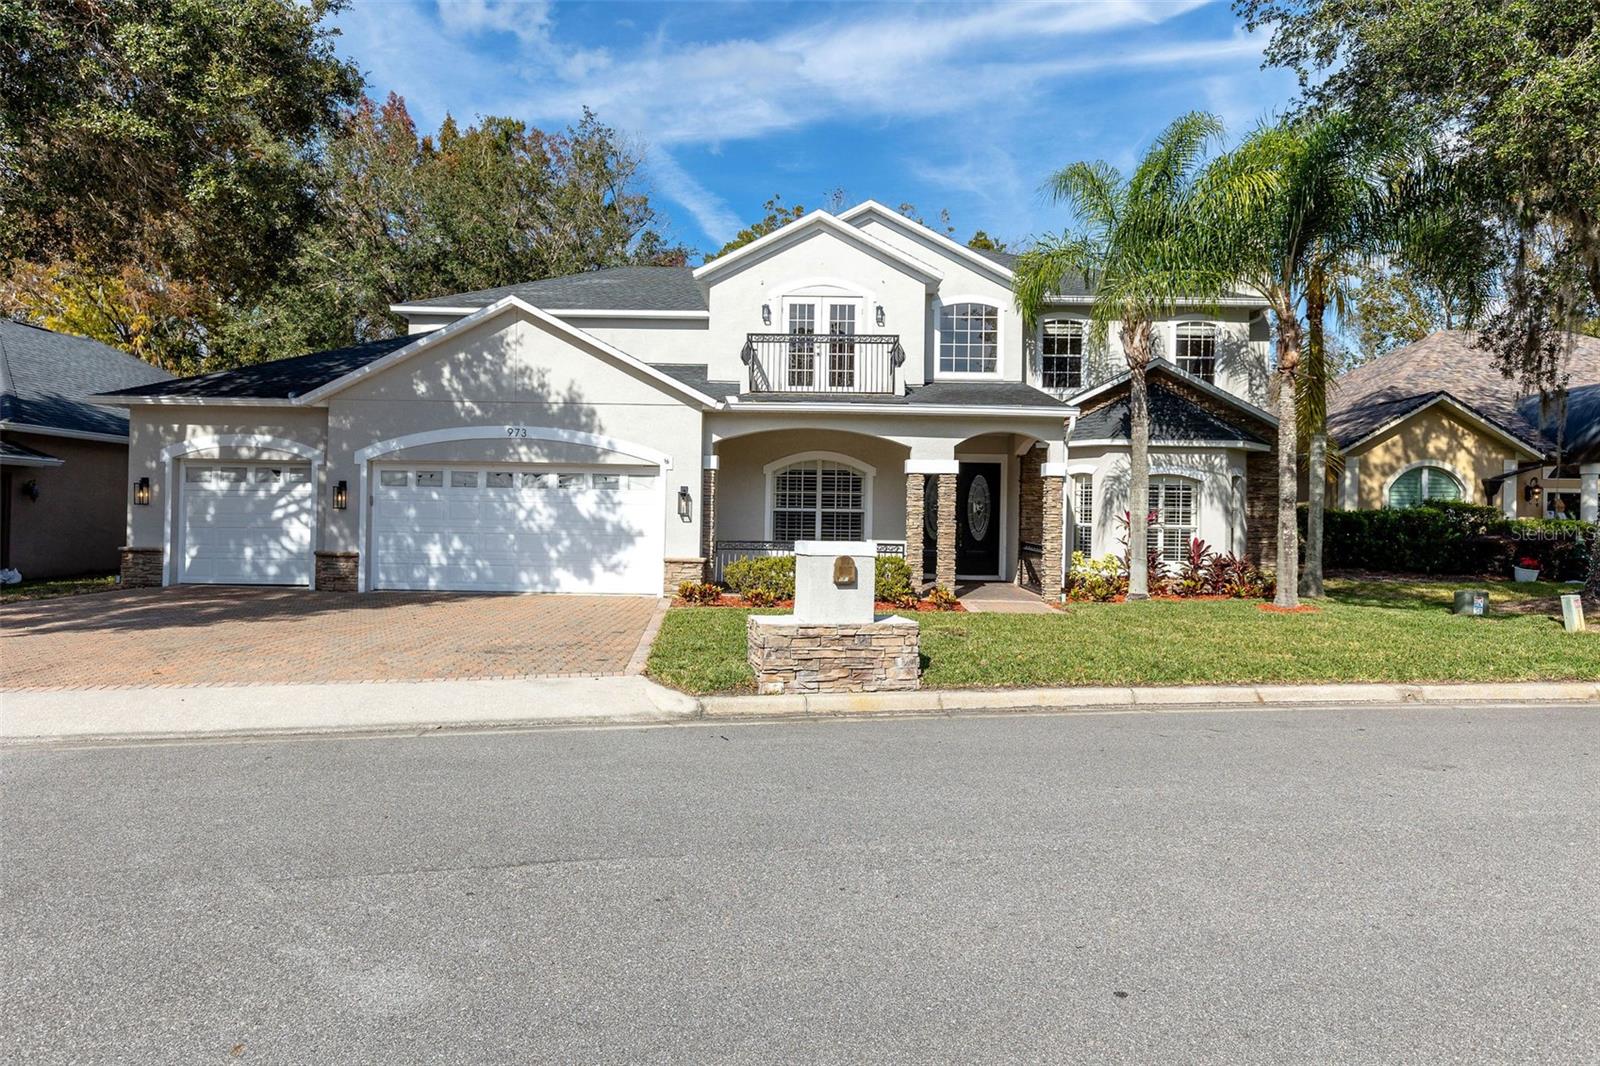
(516, 431)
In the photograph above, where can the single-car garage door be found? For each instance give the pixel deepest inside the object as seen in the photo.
(246, 524)
(517, 528)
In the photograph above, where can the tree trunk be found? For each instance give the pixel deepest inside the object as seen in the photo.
(1317, 457)
(1288, 575)
(1136, 346)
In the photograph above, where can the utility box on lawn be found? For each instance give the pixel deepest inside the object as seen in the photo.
(1473, 602)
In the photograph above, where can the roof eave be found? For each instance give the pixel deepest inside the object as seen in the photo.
(823, 219)
(873, 207)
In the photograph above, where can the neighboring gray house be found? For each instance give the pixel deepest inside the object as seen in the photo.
(63, 460)
(852, 376)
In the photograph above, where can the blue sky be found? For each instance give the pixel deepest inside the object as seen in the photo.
(961, 106)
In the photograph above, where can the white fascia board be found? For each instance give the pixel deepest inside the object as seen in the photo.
(73, 434)
(560, 312)
(438, 336)
(933, 466)
(735, 404)
(1463, 411)
(1236, 445)
(31, 460)
(873, 207)
(826, 221)
(1188, 379)
(194, 401)
(1085, 299)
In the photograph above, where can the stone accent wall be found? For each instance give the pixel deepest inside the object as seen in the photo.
(1030, 515)
(945, 557)
(1050, 560)
(141, 568)
(916, 489)
(708, 513)
(881, 656)
(337, 571)
(677, 571)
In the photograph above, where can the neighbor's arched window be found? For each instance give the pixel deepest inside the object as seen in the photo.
(1424, 483)
(1196, 350)
(969, 339)
(819, 499)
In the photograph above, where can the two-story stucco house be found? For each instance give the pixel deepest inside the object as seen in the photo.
(848, 377)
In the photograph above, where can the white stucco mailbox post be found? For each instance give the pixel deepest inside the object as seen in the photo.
(833, 642)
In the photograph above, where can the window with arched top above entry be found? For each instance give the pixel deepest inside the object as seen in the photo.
(1423, 483)
(819, 499)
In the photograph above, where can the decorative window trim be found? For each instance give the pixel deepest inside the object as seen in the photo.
(1215, 329)
(1424, 465)
(868, 474)
(1083, 356)
(1000, 352)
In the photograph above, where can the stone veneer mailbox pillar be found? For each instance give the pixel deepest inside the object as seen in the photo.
(833, 642)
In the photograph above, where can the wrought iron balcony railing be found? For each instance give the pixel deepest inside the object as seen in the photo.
(827, 362)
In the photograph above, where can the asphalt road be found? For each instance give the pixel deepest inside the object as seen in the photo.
(1295, 886)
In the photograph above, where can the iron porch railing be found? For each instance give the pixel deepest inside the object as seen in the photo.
(823, 362)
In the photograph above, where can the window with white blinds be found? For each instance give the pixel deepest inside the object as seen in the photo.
(1423, 483)
(1173, 523)
(1083, 514)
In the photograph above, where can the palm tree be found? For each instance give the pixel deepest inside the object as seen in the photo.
(1326, 172)
(1146, 244)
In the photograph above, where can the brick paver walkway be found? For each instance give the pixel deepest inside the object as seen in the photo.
(226, 636)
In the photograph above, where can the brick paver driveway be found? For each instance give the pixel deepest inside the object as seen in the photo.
(189, 635)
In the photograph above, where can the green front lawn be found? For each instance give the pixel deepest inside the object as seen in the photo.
(1361, 633)
(51, 587)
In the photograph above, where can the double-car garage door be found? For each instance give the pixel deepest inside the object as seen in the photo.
(517, 528)
(434, 526)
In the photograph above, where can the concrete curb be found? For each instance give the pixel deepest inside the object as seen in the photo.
(1179, 697)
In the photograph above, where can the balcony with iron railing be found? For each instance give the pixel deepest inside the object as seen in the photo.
(823, 363)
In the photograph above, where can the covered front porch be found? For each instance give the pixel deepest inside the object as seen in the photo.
(960, 507)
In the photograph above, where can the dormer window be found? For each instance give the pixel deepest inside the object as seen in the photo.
(1061, 356)
(1195, 350)
(969, 339)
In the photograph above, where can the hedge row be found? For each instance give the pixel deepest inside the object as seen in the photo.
(1451, 537)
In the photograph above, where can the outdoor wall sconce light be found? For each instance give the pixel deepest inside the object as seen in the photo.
(30, 489)
(878, 312)
(141, 492)
(1533, 490)
(341, 496)
(684, 502)
(766, 314)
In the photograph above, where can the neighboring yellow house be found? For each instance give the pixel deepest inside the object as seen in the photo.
(1436, 420)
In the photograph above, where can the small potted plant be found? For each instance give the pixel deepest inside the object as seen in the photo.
(1525, 569)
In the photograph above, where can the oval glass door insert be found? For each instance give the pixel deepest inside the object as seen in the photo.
(978, 507)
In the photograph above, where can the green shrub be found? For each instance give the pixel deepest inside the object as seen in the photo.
(698, 593)
(1451, 537)
(1099, 580)
(942, 598)
(774, 575)
(891, 580)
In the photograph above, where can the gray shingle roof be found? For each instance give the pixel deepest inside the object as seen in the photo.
(933, 394)
(45, 377)
(696, 377)
(11, 451)
(631, 288)
(1173, 417)
(280, 379)
(1449, 363)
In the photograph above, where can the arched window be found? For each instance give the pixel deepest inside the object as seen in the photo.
(1422, 483)
(819, 499)
(1196, 350)
(1061, 355)
(969, 338)
(1172, 521)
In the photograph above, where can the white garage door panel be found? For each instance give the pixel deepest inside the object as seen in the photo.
(255, 531)
(537, 534)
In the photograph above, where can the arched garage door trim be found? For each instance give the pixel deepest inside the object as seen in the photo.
(178, 450)
(503, 431)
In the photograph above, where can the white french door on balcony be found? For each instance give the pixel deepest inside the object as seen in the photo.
(829, 362)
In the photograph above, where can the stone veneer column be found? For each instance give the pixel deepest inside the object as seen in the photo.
(916, 490)
(708, 512)
(337, 571)
(141, 568)
(1051, 560)
(945, 536)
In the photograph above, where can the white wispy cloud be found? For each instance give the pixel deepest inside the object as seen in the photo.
(711, 213)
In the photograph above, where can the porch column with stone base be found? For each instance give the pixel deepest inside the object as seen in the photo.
(1052, 531)
(141, 568)
(833, 643)
(916, 490)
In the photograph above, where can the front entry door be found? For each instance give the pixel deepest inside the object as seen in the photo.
(978, 520)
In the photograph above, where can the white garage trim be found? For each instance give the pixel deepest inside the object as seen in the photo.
(366, 456)
(175, 451)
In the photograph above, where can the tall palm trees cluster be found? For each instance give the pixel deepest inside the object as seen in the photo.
(1288, 215)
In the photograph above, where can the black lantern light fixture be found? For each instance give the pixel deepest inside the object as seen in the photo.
(341, 496)
(684, 502)
(141, 492)
(1533, 490)
(766, 314)
(879, 314)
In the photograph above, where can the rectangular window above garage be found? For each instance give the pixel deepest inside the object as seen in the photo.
(500, 479)
(430, 479)
(573, 482)
(463, 479)
(607, 481)
(393, 479)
